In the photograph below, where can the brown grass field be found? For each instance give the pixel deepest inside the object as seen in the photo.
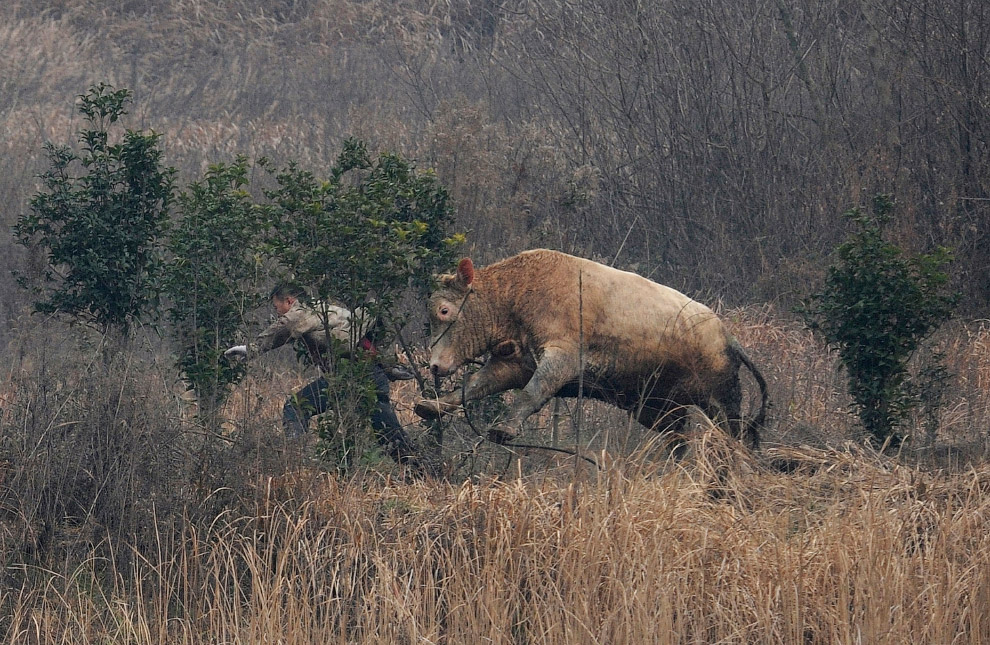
(813, 540)
(847, 548)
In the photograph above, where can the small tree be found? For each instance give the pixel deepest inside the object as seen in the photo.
(371, 229)
(362, 237)
(209, 278)
(877, 306)
(98, 229)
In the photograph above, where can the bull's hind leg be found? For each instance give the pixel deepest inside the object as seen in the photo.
(725, 405)
(669, 421)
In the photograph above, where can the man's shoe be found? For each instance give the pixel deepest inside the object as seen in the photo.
(399, 372)
(428, 409)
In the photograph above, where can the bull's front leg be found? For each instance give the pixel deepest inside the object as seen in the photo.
(497, 375)
(558, 366)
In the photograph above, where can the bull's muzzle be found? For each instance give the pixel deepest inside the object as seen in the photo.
(439, 371)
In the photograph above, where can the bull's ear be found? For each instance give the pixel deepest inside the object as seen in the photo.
(465, 273)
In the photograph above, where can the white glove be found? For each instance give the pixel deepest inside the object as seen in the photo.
(237, 351)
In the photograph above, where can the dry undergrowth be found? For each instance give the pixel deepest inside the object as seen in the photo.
(188, 541)
(723, 548)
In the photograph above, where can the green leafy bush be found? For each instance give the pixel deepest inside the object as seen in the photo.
(363, 237)
(372, 228)
(876, 307)
(210, 278)
(98, 219)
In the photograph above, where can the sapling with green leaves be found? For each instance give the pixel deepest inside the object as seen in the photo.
(373, 229)
(211, 278)
(877, 306)
(98, 220)
(360, 238)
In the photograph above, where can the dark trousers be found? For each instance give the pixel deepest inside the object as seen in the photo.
(313, 399)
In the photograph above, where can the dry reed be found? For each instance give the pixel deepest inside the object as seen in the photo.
(850, 547)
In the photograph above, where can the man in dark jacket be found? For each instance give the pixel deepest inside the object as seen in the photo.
(319, 326)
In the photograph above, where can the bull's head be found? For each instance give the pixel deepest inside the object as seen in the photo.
(454, 336)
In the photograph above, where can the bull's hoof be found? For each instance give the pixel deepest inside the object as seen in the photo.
(501, 435)
(428, 409)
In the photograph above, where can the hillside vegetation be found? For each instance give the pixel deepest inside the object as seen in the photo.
(124, 521)
(711, 146)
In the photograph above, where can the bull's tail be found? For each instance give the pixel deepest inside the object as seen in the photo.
(751, 426)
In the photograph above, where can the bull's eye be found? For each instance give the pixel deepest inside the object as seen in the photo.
(444, 311)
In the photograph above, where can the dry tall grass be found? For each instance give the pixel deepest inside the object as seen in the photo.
(848, 548)
(232, 541)
(183, 542)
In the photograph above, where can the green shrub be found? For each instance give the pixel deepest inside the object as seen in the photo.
(210, 277)
(876, 307)
(99, 218)
(363, 237)
(372, 227)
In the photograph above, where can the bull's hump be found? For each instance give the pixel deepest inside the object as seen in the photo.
(555, 266)
(551, 292)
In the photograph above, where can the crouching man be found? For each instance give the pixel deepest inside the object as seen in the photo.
(297, 321)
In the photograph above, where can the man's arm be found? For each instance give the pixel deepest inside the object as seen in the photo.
(275, 335)
(300, 322)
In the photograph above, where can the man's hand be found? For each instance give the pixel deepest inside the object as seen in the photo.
(237, 351)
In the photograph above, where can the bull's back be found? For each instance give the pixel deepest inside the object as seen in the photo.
(629, 325)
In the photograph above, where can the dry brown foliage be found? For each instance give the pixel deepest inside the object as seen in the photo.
(184, 537)
(848, 547)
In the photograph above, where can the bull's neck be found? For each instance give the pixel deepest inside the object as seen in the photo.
(489, 328)
(495, 318)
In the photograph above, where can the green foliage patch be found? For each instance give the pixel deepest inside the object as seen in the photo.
(373, 228)
(362, 237)
(876, 307)
(98, 219)
(211, 277)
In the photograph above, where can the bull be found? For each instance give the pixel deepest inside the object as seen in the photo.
(553, 324)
